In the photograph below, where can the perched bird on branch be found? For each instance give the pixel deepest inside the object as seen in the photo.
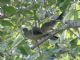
(37, 33)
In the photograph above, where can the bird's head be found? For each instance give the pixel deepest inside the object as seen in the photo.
(25, 29)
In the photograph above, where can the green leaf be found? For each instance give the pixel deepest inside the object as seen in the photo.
(6, 23)
(10, 10)
(78, 42)
(40, 57)
(2, 33)
(73, 43)
(29, 12)
(5, 1)
(24, 49)
(36, 6)
(63, 4)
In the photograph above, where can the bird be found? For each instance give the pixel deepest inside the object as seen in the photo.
(60, 17)
(37, 33)
(33, 34)
(49, 25)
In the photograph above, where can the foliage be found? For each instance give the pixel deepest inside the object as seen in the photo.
(16, 13)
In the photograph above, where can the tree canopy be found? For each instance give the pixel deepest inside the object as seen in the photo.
(16, 14)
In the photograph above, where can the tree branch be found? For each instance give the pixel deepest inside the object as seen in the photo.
(68, 24)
